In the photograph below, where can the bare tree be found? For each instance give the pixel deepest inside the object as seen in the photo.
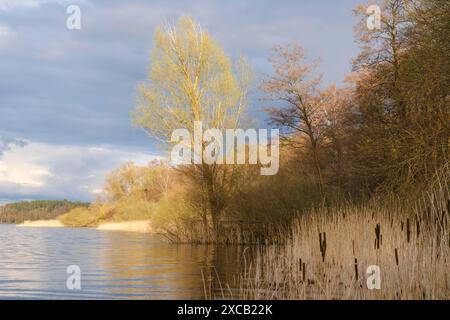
(302, 113)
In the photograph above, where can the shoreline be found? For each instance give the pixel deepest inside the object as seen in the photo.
(53, 223)
(138, 226)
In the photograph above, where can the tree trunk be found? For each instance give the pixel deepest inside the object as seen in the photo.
(318, 171)
(212, 199)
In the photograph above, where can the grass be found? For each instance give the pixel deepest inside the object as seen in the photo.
(329, 250)
(121, 211)
(83, 217)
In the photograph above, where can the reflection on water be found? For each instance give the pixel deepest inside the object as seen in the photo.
(114, 265)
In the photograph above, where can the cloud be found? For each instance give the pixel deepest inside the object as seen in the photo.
(39, 170)
(6, 38)
(7, 143)
(5, 31)
(70, 92)
(81, 83)
(8, 5)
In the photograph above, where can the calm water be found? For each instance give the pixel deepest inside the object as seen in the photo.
(114, 265)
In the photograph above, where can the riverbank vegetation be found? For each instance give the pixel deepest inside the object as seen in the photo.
(36, 210)
(130, 193)
(385, 132)
(329, 252)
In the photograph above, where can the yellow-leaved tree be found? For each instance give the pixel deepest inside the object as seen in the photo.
(192, 79)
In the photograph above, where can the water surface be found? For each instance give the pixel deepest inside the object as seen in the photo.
(114, 264)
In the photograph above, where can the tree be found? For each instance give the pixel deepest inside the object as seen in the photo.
(401, 94)
(381, 49)
(191, 79)
(426, 82)
(338, 112)
(303, 112)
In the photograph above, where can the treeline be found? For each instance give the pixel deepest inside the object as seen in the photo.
(130, 193)
(399, 129)
(385, 132)
(36, 210)
(389, 128)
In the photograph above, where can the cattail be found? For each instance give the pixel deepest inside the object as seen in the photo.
(323, 245)
(377, 236)
(304, 272)
(396, 257)
(408, 230)
(356, 269)
(300, 265)
(418, 228)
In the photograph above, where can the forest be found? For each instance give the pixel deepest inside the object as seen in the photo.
(18, 212)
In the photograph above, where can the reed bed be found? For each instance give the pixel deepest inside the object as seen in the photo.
(328, 252)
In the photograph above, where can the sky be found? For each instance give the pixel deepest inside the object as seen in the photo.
(66, 95)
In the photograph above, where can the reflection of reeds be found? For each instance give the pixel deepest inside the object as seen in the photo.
(414, 264)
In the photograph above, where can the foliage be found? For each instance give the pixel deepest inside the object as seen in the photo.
(36, 210)
(386, 132)
(191, 79)
(395, 235)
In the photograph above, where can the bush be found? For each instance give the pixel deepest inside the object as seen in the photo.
(87, 217)
(176, 219)
(133, 208)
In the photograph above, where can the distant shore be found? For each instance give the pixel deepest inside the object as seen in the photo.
(141, 226)
(42, 223)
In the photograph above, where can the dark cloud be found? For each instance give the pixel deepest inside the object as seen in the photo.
(7, 143)
(66, 87)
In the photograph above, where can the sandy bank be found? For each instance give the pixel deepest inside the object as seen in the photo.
(143, 226)
(42, 223)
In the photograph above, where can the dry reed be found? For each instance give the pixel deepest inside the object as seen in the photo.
(414, 264)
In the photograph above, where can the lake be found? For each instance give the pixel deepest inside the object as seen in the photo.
(113, 264)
